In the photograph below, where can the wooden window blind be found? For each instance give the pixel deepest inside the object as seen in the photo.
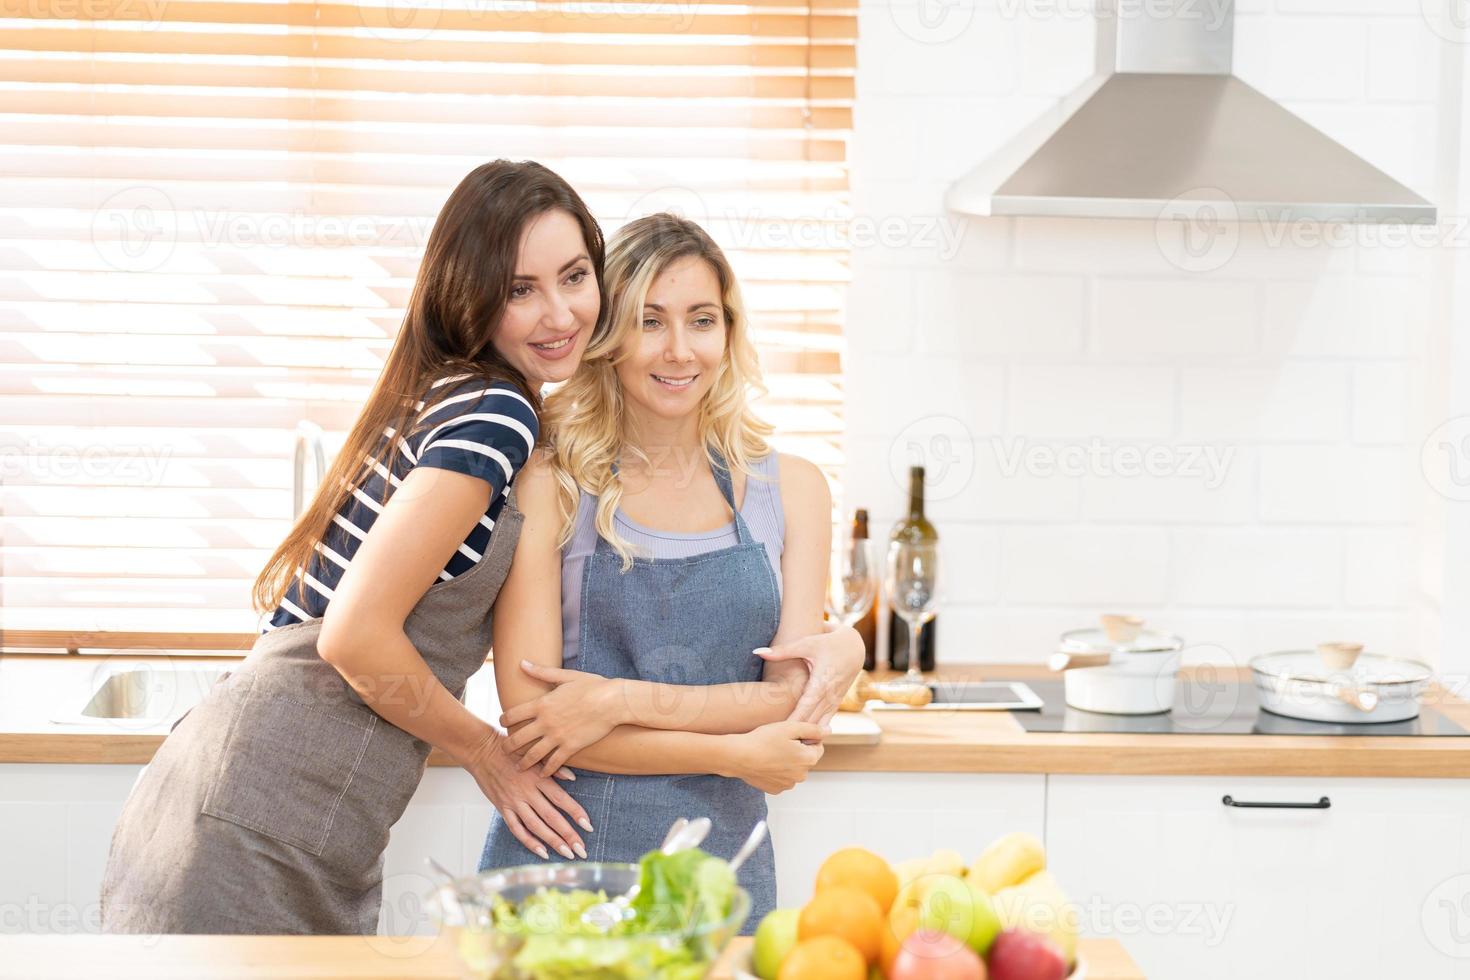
(213, 210)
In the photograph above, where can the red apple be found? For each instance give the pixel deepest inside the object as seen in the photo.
(1020, 955)
(932, 955)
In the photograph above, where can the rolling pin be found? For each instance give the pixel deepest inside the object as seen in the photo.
(864, 690)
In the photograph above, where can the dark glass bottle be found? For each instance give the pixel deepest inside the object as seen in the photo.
(867, 627)
(913, 528)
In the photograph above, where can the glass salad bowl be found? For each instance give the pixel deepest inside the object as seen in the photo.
(525, 923)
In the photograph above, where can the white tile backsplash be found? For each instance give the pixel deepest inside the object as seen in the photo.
(1293, 401)
(1302, 358)
(1166, 318)
(1116, 400)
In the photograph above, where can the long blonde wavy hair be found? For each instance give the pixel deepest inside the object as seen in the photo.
(584, 421)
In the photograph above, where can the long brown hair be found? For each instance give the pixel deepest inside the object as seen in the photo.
(453, 312)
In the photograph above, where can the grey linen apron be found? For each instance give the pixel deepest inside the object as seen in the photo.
(268, 807)
(692, 621)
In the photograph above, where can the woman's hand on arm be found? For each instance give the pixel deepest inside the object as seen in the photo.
(826, 657)
(833, 658)
(424, 522)
(583, 708)
(579, 710)
(773, 757)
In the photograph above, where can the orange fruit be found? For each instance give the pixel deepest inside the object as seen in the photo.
(849, 915)
(823, 958)
(902, 921)
(854, 867)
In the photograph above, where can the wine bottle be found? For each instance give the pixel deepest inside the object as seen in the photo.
(914, 528)
(867, 627)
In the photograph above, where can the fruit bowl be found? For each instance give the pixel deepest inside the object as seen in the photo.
(743, 969)
(552, 942)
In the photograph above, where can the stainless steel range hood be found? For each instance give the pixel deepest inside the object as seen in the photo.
(1169, 130)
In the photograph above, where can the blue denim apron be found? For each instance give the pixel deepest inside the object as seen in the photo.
(687, 621)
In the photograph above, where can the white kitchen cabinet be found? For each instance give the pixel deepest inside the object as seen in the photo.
(56, 826)
(1377, 885)
(897, 815)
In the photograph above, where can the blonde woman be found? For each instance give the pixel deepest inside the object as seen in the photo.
(665, 549)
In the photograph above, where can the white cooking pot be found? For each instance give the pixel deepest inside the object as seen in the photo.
(1327, 684)
(1120, 668)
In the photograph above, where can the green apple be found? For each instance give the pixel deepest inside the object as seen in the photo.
(951, 904)
(774, 938)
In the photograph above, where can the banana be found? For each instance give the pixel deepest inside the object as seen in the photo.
(1008, 861)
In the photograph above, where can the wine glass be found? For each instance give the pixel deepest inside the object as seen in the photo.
(912, 585)
(852, 584)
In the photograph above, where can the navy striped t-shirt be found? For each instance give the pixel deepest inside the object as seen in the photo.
(481, 430)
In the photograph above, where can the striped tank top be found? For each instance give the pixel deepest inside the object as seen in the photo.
(482, 430)
(760, 506)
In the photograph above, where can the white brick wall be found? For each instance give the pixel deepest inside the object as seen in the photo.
(1309, 369)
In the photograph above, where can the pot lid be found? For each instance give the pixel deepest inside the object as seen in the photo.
(1095, 640)
(1370, 668)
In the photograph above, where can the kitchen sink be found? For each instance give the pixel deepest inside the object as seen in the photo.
(146, 695)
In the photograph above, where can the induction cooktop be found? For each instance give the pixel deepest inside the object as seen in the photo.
(1212, 706)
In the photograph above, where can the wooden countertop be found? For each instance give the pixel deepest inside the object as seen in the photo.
(959, 741)
(1106, 959)
(32, 957)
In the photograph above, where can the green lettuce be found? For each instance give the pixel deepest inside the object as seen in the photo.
(679, 894)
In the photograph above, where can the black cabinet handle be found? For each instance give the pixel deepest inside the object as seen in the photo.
(1322, 804)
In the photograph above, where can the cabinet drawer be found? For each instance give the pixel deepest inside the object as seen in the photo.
(897, 815)
(1374, 884)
